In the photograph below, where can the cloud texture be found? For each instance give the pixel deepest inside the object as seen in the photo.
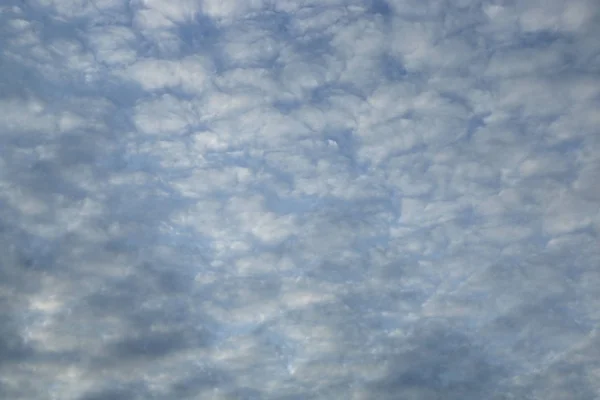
(248, 199)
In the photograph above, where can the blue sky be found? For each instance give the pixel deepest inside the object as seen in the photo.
(288, 199)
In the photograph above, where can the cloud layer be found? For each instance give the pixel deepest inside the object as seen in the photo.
(299, 200)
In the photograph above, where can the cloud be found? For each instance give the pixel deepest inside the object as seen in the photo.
(296, 199)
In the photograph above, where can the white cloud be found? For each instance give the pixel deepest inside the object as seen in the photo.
(230, 9)
(112, 45)
(165, 115)
(566, 213)
(190, 74)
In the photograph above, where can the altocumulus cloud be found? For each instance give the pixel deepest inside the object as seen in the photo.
(333, 199)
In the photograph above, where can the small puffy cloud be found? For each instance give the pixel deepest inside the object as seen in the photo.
(111, 45)
(190, 75)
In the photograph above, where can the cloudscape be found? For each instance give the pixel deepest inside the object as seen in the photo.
(299, 199)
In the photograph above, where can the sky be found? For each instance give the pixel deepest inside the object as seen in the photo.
(299, 199)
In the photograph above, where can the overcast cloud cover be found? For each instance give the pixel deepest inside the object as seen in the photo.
(289, 199)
